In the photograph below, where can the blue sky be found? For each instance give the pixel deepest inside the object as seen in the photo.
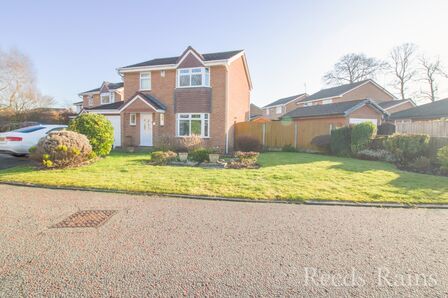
(75, 45)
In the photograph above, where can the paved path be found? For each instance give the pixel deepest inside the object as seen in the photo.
(172, 247)
(9, 161)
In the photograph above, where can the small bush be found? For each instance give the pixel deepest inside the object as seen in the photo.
(380, 154)
(167, 143)
(386, 129)
(322, 142)
(62, 149)
(378, 143)
(442, 157)
(362, 134)
(248, 144)
(407, 148)
(188, 144)
(421, 164)
(97, 129)
(289, 148)
(244, 160)
(199, 155)
(340, 141)
(162, 157)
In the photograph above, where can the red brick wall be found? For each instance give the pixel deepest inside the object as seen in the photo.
(402, 107)
(238, 97)
(193, 100)
(367, 112)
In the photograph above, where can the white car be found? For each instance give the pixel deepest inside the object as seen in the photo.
(18, 142)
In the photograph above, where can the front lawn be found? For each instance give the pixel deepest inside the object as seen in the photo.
(290, 176)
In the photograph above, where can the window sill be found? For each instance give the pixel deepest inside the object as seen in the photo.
(144, 89)
(187, 87)
(182, 137)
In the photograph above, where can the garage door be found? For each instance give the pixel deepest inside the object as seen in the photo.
(116, 123)
(360, 120)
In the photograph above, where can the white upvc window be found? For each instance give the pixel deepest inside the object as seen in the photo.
(112, 97)
(193, 124)
(267, 111)
(279, 110)
(162, 119)
(133, 119)
(308, 104)
(145, 81)
(327, 101)
(90, 100)
(193, 77)
(105, 98)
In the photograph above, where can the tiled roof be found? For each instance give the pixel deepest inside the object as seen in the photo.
(111, 86)
(255, 110)
(109, 106)
(335, 91)
(284, 100)
(151, 100)
(341, 108)
(174, 60)
(391, 103)
(437, 109)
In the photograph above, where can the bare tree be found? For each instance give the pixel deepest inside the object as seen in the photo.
(403, 67)
(18, 90)
(432, 71)
(353, 68)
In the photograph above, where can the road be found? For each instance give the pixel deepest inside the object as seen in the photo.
(172, 247)
(9, 161)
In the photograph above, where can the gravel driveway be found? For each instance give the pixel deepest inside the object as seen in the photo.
(173, 247)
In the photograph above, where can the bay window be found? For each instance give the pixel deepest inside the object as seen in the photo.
(145, 81)
(193, 77)
(192, 124)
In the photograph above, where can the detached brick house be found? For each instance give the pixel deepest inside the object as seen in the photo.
(281, 106)
(194, 93)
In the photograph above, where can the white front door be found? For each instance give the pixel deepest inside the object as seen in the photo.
(116, 123)
(145, 129)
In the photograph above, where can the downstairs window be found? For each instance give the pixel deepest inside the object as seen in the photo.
(193, 124)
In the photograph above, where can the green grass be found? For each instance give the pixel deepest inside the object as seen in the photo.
(289, 176)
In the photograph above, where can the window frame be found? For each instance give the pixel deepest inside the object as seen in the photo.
(132, 123)
(162, 119)
(327, 101)
(148, 74)
(277, 110)
(205, 124)
(105, 94)
(90, 100)
(204, 72)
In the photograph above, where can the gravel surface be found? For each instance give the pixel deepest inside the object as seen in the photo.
(172, 247)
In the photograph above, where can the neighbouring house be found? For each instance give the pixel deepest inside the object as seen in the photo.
(78, 106)
(107, 93)
(194, 93)
(348, 92)
(316, 120)
(436, 110)
(394, 106)
(281, 106)
(256, 114)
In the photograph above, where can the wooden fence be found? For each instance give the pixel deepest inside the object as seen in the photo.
(277, 134)
(431, 128)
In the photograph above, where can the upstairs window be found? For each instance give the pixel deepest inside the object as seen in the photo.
(193, 77)
(327, 101)
(308, 104)
(278, 110)
(145, 81)
(105, 98)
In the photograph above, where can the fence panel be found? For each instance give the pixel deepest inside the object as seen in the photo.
(280, 134)
(432, 128)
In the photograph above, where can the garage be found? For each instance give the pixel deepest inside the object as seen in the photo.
(362, 120)
(116, 123)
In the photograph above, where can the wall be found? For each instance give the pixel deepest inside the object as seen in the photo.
(368, 90)
(402, 107)
(367, 112)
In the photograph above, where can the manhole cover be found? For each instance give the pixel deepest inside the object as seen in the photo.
(86, 219)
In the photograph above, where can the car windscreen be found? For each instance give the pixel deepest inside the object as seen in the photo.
(30, 129)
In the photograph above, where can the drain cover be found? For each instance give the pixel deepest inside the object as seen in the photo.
(86, 219)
